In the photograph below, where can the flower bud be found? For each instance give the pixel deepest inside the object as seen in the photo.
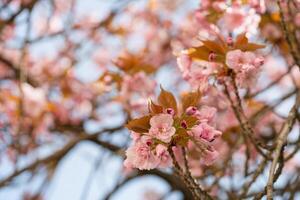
(183, 124)
(170, 111)
(212, 56)
(191, 110)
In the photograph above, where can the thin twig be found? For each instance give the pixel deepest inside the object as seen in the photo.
(288, 125)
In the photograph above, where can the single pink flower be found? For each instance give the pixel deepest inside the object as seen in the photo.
(236, 59)
(162, 127)
(205, 132)
(233, 59)
(245, 64)
(206, 114)
(140, 156)
(163, 156)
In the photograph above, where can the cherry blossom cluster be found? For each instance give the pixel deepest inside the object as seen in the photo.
(156, 136)
(217, 59)
(246, 65)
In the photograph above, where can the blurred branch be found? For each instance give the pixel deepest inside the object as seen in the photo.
(274, 82)
(16, 69)
(287, 34)
(169, 178)
(12, 18)
(61, 153)
(244, 124)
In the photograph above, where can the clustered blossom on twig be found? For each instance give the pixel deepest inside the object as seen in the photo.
(168, 127)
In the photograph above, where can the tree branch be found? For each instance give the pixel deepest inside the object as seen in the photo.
(287, 127)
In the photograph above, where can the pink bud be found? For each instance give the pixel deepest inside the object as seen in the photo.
(183, 124)
(212, 56)
(191, 110)
(148, 143)
(170, 111)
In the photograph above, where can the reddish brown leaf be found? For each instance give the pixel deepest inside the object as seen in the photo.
(250, 47)
(139, 125)
(132, 64)
(190, 99)
(241, 39)
(199, 53)
(214, 46)
(154, 108)
(167, 100)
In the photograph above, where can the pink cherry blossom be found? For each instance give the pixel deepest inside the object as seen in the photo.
(236, 59)
(162, 127)
(246, 65)
(206, 114)
(205, 132)
(140, 155)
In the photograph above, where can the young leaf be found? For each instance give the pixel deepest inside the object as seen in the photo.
(167, 100)
(154, 108)
(214, 46)
(199, 53)
(132, 64)
(241, 39)
(190, 99)
(139, 125)
(250, 47)
(243, 44)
